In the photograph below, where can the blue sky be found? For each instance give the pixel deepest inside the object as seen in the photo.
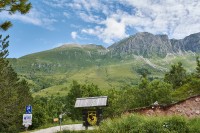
(52, 23)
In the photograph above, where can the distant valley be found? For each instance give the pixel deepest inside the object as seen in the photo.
(50, 72)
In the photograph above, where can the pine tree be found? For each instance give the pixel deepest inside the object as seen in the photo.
(77, 91)
(176, 76)
(13, 6)
(144, 81)
(198, 67)
(14, 93)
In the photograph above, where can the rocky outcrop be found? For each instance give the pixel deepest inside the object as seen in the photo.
(148, 45)
(189, 43)
(189, 108)
(144, 44)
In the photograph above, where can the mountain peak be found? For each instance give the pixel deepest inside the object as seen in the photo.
(144, 44)
(70, 45)
(148, 45)
(90, 46)
(143, 34)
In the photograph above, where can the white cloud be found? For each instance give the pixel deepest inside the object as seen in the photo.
(173, 17)
(113, 30)
(33, 17)
(56, 3)
(75, 5)
(89, 18)
(109, 21)
(88, 5)
(96, 31)
(66, 14)
(74, 35)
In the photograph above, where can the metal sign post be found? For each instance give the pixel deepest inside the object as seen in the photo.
(27, 118)
(26, 127)
(60, 117)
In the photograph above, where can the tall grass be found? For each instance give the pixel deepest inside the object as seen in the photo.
(150, 124)
(132, 123)
(147, 124)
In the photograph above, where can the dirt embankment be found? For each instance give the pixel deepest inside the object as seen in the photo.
(189, 108)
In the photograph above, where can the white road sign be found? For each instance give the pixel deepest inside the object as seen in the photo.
(27, 119)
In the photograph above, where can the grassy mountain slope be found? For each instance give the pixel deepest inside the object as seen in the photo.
(119, 65)
(125, 72)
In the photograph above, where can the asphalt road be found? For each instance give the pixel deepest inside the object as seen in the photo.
(64, 127)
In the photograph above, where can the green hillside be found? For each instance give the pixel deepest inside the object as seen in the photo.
(119, 65)
(52, 71)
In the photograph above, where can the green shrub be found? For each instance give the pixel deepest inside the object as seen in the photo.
(194, 125)
(152, 127)
(177, 124)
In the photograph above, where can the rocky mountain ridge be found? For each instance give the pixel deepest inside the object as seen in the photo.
(145, 44)
(148, 45)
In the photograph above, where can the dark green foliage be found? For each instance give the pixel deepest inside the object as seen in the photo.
(40, 116)
(14, 94)
(143, 71)
(13, 6)
(77, 91)
(120, 100)
(45, 109)
(4, 45)
(155, 90)
(115, 99)
(198, 67)
(177, 124)
(159, 91)
(6, 25)
(176, 76)
(143, 82)
(190, 88)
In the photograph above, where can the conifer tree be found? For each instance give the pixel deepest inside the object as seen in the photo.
(176, 76)
(198, 67)
(13, 6)
(143, 82)
(77, 91)
(14, 93)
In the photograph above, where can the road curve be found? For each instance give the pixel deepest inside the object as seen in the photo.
(64, 127)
